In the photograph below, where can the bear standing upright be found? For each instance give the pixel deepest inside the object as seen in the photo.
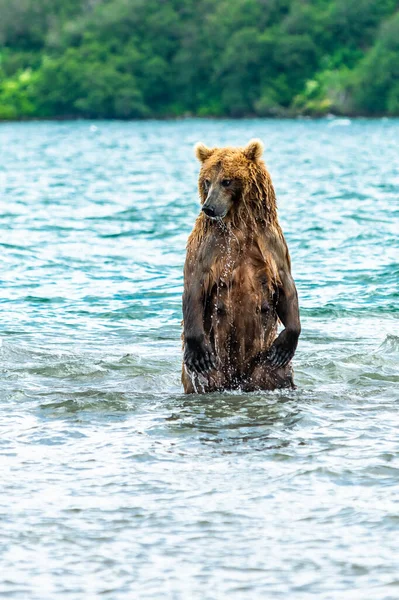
(237, 280)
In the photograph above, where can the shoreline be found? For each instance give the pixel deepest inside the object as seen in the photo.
(291, 117)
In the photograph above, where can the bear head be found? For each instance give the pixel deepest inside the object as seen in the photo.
(234, 182)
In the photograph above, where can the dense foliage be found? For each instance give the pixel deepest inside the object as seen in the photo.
(142, 58)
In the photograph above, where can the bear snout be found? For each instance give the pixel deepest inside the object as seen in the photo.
(209, 211)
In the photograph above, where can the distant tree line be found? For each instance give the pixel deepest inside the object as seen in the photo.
(165, 58)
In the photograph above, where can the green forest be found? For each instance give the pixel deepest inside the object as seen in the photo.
(130, 59)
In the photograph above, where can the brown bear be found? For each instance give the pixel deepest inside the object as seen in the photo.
(237, 280)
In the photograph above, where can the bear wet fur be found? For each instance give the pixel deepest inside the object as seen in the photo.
(237, 280)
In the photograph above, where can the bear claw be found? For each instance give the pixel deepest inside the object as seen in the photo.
(279, 358)
(199, 360)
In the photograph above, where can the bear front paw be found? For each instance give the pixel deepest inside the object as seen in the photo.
(283, 349)
(198, 356)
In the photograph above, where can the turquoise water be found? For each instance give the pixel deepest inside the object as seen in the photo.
(114, 484)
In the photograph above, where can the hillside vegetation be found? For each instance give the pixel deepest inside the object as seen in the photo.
(167, 58)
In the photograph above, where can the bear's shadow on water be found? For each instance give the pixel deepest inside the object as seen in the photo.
(254, 420)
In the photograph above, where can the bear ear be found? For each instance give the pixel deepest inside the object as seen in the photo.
(254, 150)
(202, 152)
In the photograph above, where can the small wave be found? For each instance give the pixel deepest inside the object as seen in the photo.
(390, 345)
(89, 399)
(340, 310)
(44, 300)
(339, 122)
(15, 353)
(70, 369)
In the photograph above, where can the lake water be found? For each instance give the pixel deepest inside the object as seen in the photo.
(114, 484)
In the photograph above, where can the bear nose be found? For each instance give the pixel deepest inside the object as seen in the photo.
(209, 211)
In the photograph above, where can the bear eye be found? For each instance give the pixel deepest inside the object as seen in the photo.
(226, 182)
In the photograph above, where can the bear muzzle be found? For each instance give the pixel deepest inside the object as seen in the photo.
(214, 212)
